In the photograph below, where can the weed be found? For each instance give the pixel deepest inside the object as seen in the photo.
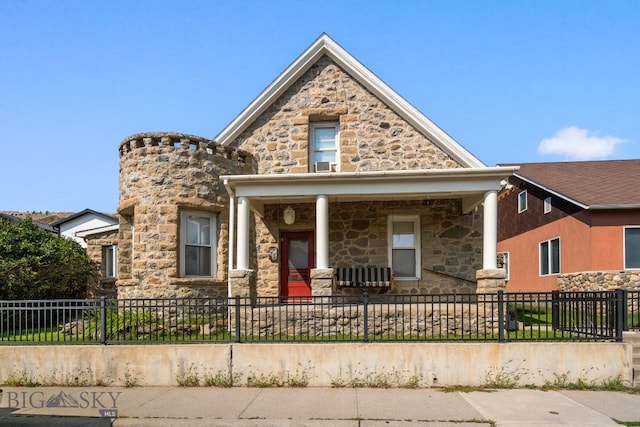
(263, 380)
(21, 379)
(299, 379)
(502, 378)
(221, 379)
(188, 378)
(131, 378)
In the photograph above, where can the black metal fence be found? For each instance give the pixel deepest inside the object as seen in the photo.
(500, 317)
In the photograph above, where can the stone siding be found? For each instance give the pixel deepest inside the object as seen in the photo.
(600, 280)
(162, 174)
(372, 136)
(358, 235)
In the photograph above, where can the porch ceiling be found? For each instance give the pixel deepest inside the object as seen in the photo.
(468, 184)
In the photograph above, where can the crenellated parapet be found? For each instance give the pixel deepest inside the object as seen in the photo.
(163, 174)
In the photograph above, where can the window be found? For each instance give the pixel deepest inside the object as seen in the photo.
(522, 201)
(198, 244)
(503, 262)
(110, 261)
(404, 246)
(550, 257)
(631, 247)
(324, 143)
(547, 205)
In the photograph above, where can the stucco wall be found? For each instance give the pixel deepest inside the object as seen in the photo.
(322, 364)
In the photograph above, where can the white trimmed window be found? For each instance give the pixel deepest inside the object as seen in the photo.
(197, 244)
(110, 261)
(522, 201)
(631, 247)
(324, 143)
(550, 257)
(404, 246)
(547, 205)
(503, 262)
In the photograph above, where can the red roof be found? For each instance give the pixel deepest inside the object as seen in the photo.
(596, 184)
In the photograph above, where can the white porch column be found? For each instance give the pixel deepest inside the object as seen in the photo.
(242, 261)
(322, 231)
(490, 231)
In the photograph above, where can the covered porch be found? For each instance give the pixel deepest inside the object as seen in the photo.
(326, 196)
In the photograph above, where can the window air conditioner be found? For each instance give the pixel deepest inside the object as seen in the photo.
(323, 166)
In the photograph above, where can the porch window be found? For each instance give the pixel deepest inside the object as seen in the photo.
(324, 143)
(109, 261)
(550, 257)
(631, 247)
(198, 244)
(404, 246)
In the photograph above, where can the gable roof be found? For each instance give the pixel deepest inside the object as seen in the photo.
(82, 213)
(605, 184)
(324, 45)
(40, 225)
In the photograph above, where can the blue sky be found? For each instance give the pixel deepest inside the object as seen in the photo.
(512, 81)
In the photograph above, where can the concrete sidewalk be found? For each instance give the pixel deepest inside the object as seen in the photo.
(313, 407)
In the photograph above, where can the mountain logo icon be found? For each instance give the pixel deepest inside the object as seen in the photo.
(62, 400)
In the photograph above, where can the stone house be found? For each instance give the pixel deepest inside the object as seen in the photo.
(571, 226)
(327, 168)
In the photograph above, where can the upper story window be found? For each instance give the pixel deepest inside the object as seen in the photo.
(550, 257)
(110, 261)
(324, 143)
(197, 244)
(547, 205)
(631, 247)
(404, 246)
(522, 201)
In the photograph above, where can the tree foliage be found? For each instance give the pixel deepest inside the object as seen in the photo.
(36, 264)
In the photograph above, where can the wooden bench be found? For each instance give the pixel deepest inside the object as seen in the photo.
(363, 277)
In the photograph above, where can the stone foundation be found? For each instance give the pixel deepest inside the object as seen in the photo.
(600, 280)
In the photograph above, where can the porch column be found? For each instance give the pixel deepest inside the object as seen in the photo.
(490, 231)
(242, 261)
(322, 231)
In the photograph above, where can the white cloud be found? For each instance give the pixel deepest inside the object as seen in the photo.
(574, 143)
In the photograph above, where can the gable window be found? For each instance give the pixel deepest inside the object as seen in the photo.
(404, 246)
(550, 257)
(110, 261)
(197, 244)
(324, 144)
(547, 205)
(631, 247)
(522, 201)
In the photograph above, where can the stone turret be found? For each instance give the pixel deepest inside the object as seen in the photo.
(162, 174)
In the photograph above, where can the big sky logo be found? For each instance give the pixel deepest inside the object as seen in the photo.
(106, 402)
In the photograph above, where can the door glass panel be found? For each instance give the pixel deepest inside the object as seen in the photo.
(298, 253)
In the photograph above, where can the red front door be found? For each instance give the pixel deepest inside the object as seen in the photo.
(296, 263)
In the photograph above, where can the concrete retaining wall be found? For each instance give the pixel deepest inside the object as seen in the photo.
(340, 364)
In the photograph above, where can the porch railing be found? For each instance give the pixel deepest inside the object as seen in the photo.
(501, 317)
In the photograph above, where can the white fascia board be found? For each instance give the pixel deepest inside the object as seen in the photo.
(324, 45)
(104, 229)
(453, 182)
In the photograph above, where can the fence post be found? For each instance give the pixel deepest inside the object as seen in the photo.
(103, 320)
(555, 310)
(625, 310)
(501, 322)
(237, 318)
(365, 313)
(621, 314)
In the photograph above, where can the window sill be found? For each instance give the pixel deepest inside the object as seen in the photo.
(197, 281)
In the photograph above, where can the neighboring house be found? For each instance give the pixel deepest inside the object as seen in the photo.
(327, 168)
(40, 225)
(560, 220)
(87, 219)
(102, 249)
